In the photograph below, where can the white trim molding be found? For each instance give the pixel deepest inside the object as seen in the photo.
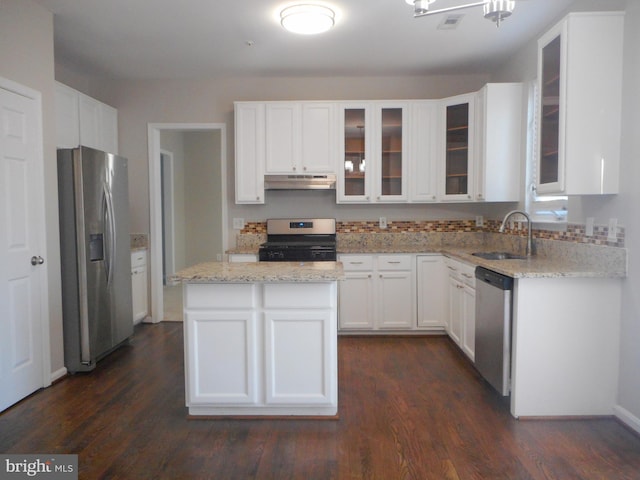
(155, 204)
(626, 417)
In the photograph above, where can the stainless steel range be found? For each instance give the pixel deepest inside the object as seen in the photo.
(299, 239)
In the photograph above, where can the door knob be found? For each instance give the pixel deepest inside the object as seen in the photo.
(37, 260)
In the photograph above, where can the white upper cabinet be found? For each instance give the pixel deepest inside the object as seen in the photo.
(456, 155)
(67, 116)
(82, 120)
(387, 151)
(250, 152)
(423, 151)
(319, 144)
(580, 90)
(499, 142)
(300, 137)
(374, 151)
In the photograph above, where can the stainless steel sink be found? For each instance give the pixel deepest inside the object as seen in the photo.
(499, 256)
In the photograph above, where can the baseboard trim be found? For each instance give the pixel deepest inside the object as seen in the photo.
(626, 417)
(58, 374)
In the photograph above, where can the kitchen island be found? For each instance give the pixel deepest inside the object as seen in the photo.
(261, 338)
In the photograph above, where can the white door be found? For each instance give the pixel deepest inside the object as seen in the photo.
(22, 272)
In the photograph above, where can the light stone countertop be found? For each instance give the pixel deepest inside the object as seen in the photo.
(260, 272)
(544, 267)
(553, 259)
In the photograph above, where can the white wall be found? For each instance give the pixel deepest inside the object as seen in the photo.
(26, 57)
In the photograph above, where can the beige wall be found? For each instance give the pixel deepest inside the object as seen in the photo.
(26, 57)
(203, 196)
(197, 194)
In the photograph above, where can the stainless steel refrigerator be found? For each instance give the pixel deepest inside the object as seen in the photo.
(95, 254)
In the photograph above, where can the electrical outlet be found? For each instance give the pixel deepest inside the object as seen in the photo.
(612, 236)
(588, 231)
(479, 221)
(238, 223)
(218, 257)
(383, 222)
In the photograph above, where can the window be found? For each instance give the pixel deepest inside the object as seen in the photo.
(546, 209)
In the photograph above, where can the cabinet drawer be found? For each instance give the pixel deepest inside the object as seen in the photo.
(138, 258)
(468, 275)
(298, 295)
(462, 271)
(352, 263)
(220, 295)
(394, 262)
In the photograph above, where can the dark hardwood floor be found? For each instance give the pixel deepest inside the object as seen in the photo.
(410, 408)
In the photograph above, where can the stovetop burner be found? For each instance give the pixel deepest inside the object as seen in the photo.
(299, 240)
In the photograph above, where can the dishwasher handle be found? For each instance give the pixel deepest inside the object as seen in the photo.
(495, 279)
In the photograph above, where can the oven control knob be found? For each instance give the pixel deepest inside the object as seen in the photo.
(275, 255)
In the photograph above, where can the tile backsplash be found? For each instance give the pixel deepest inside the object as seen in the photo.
(574, 232)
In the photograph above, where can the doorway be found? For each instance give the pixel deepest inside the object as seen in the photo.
(199, 229)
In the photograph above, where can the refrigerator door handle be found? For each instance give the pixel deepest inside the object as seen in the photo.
(110, 232)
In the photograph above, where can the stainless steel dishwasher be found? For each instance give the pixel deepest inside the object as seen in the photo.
(493, 328)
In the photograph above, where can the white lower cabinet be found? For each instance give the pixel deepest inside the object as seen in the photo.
(461, 325)
(139, 285)
(222, 358)
(395, 292)
(432, 290)
(261, 349)
(378, 292)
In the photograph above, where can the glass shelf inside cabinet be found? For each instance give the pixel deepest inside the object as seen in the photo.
(457, 150)
(550, 109)
(391, 148)
(354, 152)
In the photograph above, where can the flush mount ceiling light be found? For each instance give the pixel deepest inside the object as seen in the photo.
(307, 19)
(494, 10)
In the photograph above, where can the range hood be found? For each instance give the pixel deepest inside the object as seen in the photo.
(300, 182)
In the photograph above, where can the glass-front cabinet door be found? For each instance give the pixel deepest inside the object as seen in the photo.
(457, 169)
(392, 141)
(354, 172)
(373, 139)
(550, 171)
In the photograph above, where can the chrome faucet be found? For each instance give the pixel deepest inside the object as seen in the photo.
(529, 249)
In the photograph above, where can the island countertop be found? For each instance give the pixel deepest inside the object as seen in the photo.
(259, 272)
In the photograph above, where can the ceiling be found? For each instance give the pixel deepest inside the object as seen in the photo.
(142, 39)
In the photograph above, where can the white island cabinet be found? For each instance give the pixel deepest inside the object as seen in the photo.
(260, 343)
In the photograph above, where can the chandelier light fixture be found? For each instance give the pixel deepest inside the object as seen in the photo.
(307, 19)
(494, 10)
